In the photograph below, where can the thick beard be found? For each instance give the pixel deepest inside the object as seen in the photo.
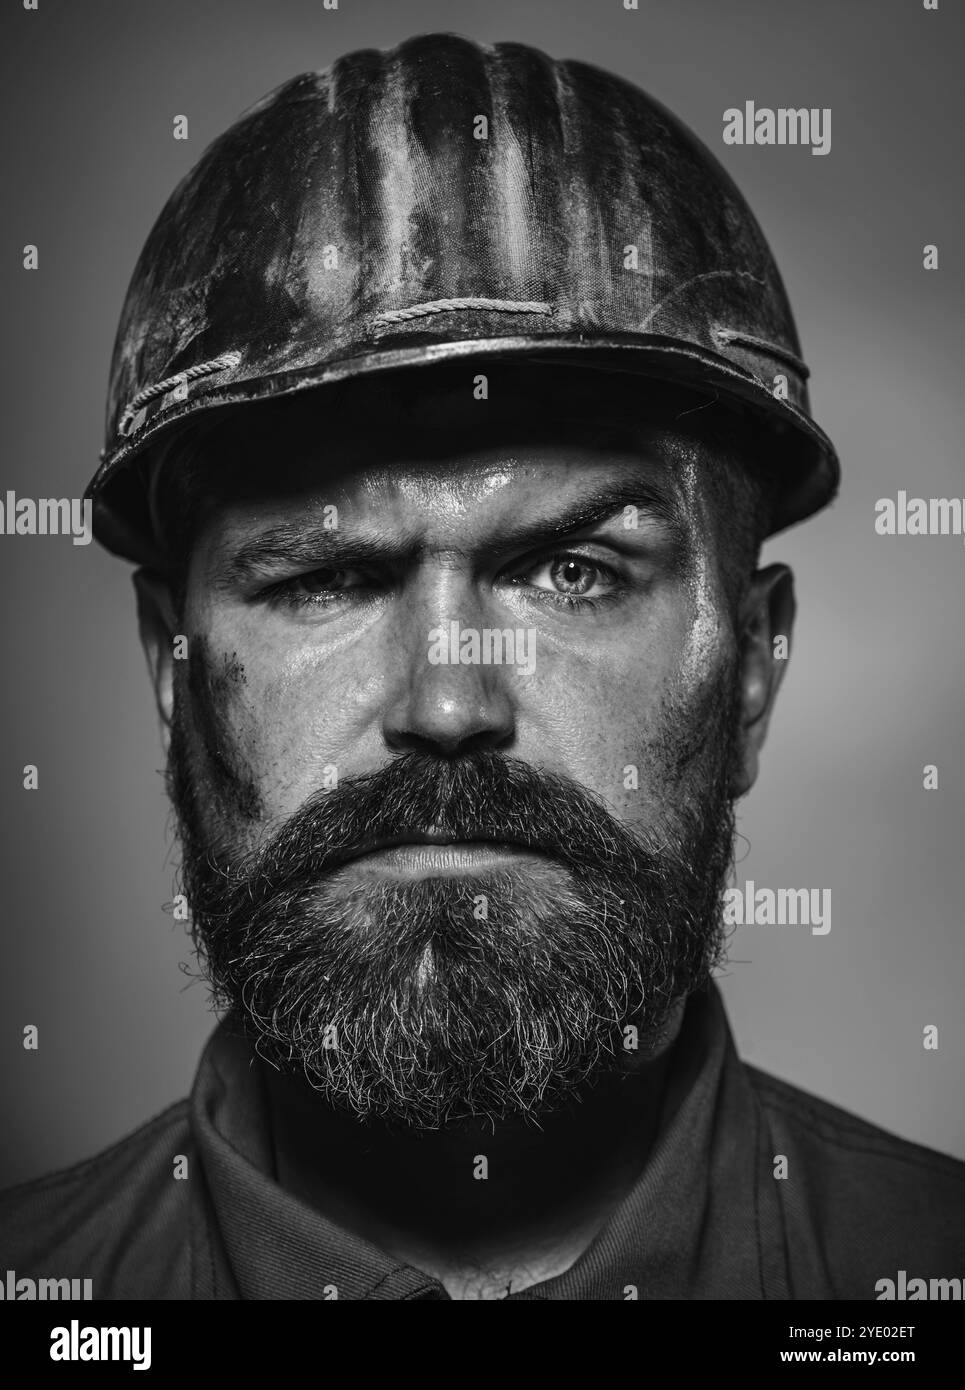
(424, 1003)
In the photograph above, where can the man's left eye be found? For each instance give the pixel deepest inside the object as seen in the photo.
(573, 575)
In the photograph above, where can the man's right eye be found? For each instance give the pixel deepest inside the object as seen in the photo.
(317, 588)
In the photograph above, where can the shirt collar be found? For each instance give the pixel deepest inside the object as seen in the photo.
(701, 1221)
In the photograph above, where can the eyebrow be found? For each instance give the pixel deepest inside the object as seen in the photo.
(298, 543)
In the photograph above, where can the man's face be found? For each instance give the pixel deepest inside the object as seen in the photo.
(436, 882)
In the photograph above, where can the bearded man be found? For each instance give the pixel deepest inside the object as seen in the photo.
(454, 394)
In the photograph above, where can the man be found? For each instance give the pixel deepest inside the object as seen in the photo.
(453, 396)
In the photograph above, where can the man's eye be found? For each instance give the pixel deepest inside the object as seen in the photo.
(324, 581)
(573, 576)
(317, 586)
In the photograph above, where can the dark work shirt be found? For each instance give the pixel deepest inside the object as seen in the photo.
(707, 1217)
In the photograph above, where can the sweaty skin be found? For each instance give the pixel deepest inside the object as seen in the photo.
(308, 650)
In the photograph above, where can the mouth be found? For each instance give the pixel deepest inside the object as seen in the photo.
(432, 854)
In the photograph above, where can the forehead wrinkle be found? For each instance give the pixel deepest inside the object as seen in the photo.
(456, 482)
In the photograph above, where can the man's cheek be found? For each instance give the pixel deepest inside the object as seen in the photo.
(654, 752)
(290, 734)
(206, 691)
(623, 774)
(603, 713)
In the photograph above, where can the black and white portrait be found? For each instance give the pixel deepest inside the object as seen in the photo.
(482, 540)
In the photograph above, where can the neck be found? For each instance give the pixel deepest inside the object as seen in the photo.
(486, 1209)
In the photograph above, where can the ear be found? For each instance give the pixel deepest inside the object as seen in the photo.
(764, 638)
(158, 628)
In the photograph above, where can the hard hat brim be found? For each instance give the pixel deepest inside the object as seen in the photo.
(804, 457)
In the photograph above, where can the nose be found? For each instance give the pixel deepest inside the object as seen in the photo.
(442, 703)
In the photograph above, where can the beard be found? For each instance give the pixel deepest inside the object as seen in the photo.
(499, 993)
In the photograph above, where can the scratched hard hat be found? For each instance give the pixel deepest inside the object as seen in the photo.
(447, 200)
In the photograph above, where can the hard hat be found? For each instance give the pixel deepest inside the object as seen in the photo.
(448, 200)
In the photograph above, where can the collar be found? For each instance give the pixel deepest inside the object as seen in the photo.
(701, 1221)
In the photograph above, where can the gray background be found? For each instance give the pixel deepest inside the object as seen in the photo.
(873, 690)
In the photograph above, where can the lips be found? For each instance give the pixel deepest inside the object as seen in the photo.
(455, 859)
(476, 845)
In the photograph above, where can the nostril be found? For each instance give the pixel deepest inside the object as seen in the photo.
(449, 745)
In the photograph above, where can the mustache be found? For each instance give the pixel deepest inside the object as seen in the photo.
(481, 796)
